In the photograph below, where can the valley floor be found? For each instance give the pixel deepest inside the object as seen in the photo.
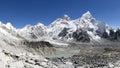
(47, 55)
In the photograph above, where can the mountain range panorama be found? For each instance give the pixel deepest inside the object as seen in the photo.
(83, 29)
(65, 43)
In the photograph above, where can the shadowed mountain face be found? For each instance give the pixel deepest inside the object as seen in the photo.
(79, 35)
(113, 35)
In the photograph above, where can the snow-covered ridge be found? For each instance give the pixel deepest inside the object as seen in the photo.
(40, 32)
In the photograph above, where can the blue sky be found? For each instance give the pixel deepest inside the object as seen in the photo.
(22, 12)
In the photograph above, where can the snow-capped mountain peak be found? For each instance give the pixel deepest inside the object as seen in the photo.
(87, 15)
(40, 24)
(66, 17)
(9, 26)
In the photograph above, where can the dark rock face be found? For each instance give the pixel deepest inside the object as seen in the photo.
(105, 35)
(81, 36)
(113, 35)
(63, 33)
(117, 34)
(33, 36)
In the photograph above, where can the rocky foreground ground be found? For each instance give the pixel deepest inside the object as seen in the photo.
(109, 59)
(45, 55)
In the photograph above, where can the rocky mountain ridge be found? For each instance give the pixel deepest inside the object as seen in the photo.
(64, 28)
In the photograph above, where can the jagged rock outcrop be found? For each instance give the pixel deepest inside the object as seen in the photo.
(81, 36)
(113, 35)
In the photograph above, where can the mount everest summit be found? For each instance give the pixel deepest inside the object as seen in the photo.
(33, 46)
